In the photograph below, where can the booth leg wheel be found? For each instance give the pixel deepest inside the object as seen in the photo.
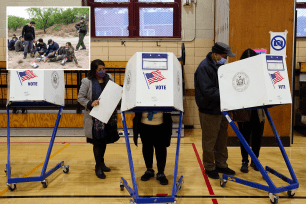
(45, 183)
(223, 183)
(273, 198)
(290, 194)
(179, 184)
(65, 169)
(11, 186)
(121, 186)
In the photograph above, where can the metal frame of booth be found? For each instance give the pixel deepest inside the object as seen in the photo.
(271, 188)
(176, 184)
(11, 182)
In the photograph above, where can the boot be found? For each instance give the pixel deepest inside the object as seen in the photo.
(99, 172)
(244, 167)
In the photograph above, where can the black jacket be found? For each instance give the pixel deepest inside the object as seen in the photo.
(42, 47)
(28, 33)
(207, 87)
(167, 128)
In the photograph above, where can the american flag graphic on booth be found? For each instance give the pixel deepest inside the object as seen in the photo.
(154, 77)
(276, 77)
(26, 75)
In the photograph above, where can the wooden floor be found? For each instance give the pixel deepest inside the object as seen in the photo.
(81, 185)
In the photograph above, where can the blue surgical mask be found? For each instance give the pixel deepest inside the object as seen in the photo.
(221, 61)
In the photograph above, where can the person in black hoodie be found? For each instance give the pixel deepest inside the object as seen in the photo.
(11, 44)
(41, 48)
(28, 35)
(213, 123)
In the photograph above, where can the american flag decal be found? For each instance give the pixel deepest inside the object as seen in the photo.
(26, 75)
(154, 77)
(276, 77)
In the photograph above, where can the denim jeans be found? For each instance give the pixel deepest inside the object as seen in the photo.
(26, 44)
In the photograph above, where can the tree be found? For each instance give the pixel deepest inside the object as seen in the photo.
(15, 22)
(82, 12)
(43, 15)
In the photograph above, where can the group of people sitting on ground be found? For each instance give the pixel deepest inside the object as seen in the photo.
(39, 50)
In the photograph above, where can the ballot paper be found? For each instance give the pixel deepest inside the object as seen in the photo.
(108, 102)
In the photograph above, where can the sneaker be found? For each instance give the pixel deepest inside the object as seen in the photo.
(226, 171)
(83, 48)
(24, 57)
(76, 49)
(162, 178)
(148, 174)
(254, 166)
(105, 168)
(99, 172)
(212, 174)
(244, 167)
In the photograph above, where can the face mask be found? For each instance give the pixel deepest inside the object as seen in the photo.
(221, 61)
(101, 73)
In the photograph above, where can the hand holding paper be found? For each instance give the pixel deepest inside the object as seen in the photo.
(108, 102)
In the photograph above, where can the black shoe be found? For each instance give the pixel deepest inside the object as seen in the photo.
(212, 174)
(244, 167)
(99, 172)
(254, 166)
(83, 48)
(148, 174)
(162, 179)
(24, 57)
(226, 171)
(105, 168)
(76, 49)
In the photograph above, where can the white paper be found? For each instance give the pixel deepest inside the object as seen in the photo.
(108, 102)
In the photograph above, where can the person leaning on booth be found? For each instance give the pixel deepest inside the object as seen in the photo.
(155, 129)
(250, 122)
(98, 133)
(213, 123)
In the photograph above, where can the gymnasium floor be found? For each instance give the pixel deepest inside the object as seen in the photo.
(81, 185)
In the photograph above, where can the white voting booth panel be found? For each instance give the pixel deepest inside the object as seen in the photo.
(153, 80)
(255, 81)
(36, 85)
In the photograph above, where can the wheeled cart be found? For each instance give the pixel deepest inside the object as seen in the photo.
(271, 188)
(176, 184)
(11, 182)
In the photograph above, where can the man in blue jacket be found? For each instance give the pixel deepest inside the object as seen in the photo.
(53, 47)
(213, 123)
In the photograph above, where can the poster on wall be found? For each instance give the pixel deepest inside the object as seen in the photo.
(278, 43)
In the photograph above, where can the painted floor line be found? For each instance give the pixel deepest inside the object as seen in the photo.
(210, 190)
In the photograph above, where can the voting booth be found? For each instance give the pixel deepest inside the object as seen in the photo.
(35, 88)
(37, 85)
(153, 82)
(257, 82)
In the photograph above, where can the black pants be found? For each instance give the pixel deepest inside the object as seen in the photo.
(150, 139)
(254, 128)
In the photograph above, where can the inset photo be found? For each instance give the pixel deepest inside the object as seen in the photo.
(48, 38)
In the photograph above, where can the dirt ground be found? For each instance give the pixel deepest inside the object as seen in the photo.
(67, 33)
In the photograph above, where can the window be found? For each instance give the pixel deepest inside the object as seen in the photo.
(301, 19)
(135, 18)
